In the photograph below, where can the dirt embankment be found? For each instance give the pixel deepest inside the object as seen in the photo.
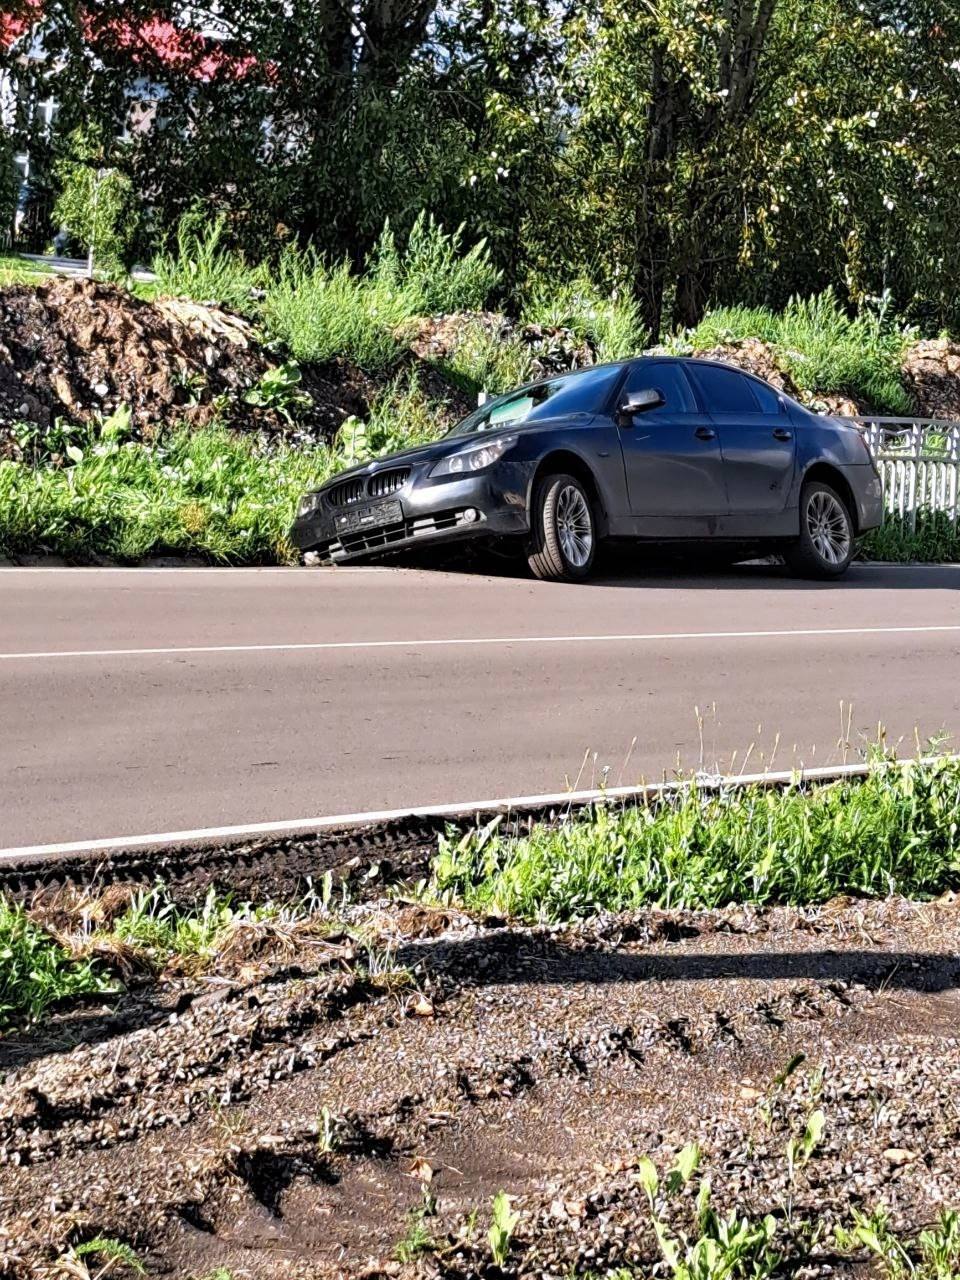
(292, 1112)
(77, 350)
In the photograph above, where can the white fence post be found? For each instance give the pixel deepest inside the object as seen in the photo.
(919, 464)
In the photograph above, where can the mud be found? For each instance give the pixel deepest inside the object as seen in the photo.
(287, 1112)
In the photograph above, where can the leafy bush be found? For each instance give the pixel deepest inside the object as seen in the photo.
(934, 540)
(35, 971)
(434, 274)
(896, 831)
(200, 266)
(319, 313)
(823, 348)
(612, 325)
(98, 204)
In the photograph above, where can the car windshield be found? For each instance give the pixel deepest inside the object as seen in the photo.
(584, 392)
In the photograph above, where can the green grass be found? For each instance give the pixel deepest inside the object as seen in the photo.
(896, 831)
(935, 540)
(208, 493)
(612, 325)
(36, 972)
(17, 270)
(199, 265)
(823, 348)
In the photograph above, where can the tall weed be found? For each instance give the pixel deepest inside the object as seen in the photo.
(433, 273)
(200, 266)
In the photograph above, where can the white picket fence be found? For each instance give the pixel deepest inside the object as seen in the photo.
(919, 464)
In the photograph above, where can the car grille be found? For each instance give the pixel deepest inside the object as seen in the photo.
(349, 491)
(382, 483)
(360, 540)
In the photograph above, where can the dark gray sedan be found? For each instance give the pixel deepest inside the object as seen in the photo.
(659, 450)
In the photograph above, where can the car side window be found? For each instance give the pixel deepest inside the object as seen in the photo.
(667, 377)
(724, 390)
(770, 401)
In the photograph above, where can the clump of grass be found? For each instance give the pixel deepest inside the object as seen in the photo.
(16, 270)
(895, 831)
(933, 1255)
(484, 361)
(37, 972)
(318, 312)
(433, 273)
(199, 265)
(935, 539)
(210, 493)
(612, 324)
(824, 348)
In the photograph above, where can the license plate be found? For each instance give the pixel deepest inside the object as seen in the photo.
(369, 517)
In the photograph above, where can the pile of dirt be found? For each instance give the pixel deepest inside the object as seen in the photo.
(78, 349)
(931, 373)
(304, 1106)
(551, 349)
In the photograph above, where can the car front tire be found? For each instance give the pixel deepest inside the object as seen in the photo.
(827, 539)
(563, 531)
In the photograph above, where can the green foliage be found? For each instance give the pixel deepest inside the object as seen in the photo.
(823, 347)
(9, 185)
(484, 361)
(612, 324)
(200, 265)
(434, 274)
(401, 416)
(279, 389)
(502, 1226)
(319, 313)
(35, 971)
(720, 1247)
(158, 928)
(98, 202)
(896, 831)
(211, 493)
(111, 1254)
(933, 1255)
(935, 539)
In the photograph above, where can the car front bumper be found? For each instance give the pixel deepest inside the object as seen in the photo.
(492, 502)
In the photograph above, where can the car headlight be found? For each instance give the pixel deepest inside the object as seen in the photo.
(308, 505)
(475, 458)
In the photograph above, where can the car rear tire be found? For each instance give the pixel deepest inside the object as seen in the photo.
(826, 543)
(563, 531)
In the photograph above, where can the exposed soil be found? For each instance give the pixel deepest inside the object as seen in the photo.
(552, 349)
(931, 372)
(78, 349)
(279, 1116)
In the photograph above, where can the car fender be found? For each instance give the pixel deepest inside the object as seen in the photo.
(595, 447)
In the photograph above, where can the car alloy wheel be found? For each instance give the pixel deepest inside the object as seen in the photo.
(563, 537)
(828, 527)
(574, 527)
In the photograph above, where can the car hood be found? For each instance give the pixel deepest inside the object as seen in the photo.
(432, 452)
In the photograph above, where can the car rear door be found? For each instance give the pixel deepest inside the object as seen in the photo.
(756, 437)
(671, 455)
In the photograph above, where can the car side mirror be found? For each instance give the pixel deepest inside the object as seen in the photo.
(641, 401)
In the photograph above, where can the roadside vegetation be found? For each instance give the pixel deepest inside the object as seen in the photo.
(895, 831)
(409, 331)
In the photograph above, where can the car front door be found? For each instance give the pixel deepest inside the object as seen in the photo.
(756, 438)
(671, 454)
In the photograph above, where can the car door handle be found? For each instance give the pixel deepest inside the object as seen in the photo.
(705, 433)
(781, 433)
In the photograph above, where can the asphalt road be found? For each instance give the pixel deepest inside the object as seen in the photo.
(143, 701)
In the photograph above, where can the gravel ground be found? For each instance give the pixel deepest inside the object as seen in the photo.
(286, 1114)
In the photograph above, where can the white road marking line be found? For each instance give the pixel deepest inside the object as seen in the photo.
(462, 808)
(460, 641)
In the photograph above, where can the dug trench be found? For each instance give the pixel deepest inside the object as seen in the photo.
(349, 1100)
